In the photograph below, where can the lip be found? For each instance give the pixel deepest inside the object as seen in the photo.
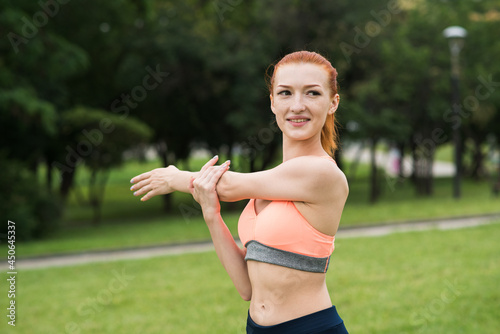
(295, 124)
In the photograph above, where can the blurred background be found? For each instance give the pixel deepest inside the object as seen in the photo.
(93, 93)
(90, 87)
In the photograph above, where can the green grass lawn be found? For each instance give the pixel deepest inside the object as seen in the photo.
(128, 222)
(419, 282)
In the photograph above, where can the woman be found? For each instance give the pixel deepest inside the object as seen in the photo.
(288, 227)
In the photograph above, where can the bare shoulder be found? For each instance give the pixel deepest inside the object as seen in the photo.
(324, 175)
(325, 170)
(340, 181)
(329, 189)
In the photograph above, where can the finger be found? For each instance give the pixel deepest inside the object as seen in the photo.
(191, 186)
(144, 190)
(140, 184)
(219, 171)
(206, 174)
(198, 183)
(211, 176)
(140, 177)
(209, 163)
(149, 195)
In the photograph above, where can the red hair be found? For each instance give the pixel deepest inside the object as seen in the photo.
(329, 133)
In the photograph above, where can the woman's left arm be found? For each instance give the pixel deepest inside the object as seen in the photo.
(305, 179)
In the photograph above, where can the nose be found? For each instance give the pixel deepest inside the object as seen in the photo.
(298, 104)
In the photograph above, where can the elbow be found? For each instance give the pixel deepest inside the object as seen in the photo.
(246, 295)
(245, 291)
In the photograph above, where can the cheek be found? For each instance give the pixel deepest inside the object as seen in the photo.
(280, 120)
(280, 112)
(322, 109)
(280, 108)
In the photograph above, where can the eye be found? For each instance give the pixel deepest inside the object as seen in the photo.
(284, 92)
(313, 93)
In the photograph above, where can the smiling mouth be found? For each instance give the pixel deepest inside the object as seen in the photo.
(299, 120)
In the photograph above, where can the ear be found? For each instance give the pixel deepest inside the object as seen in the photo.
(334, 105)
(272, 104)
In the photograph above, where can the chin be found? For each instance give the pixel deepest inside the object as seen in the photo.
(298, 137)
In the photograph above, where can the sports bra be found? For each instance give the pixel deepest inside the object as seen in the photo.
(280, 235)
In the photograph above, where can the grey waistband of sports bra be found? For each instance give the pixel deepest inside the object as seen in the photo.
(257, 251)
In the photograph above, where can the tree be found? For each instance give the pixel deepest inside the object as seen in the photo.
(99, 140)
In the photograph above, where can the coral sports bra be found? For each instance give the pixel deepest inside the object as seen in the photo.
(280, 235)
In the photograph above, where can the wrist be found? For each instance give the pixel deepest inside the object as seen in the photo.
(176, 180)
(211, 216)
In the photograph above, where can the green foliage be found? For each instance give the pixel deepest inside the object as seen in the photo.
(99, 138)
(35, 65)
(27, 123)
(27, 106)
(106, 135)
(34, 209)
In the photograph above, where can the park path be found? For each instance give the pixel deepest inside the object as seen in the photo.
(205, 246)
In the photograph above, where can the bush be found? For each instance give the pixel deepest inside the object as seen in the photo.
(34, 210)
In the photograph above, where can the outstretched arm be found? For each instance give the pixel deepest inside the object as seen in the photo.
(203, 189)
(306, 179)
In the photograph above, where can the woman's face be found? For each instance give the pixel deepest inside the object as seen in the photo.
(301, 100)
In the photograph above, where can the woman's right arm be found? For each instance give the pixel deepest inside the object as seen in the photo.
(230, 255)
(203, 189)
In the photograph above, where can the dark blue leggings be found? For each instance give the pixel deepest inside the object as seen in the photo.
(326, 321)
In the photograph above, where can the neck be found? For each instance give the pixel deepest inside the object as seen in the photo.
(297, 148)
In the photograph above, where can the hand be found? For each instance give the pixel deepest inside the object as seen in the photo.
(203, 187)
(155, 182)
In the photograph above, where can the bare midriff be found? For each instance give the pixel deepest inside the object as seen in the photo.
(280, 294)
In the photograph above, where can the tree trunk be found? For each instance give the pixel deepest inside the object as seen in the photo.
(424, 180)
(477, 165)
(429, 178)
(414, 161)
(48, 174)
(401, 147)
(67, 178)
(96, 194)
(496, 184)
(33, 167)
(93, 199)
